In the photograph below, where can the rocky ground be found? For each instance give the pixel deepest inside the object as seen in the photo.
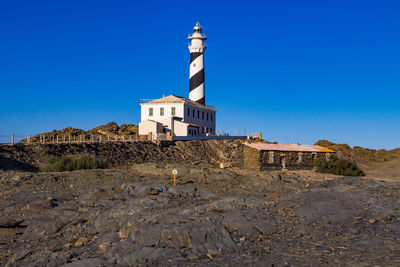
(217, 217)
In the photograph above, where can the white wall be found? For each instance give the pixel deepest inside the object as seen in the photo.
(149, 126)
(181, 111)
(180, 128)
(156, 111)
(200, 121)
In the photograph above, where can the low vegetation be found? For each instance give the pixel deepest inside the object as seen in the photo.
(360, 154)
(64, 163)
(338, 166)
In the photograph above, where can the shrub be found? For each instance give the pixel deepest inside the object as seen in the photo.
(64, 163)
(338, 167)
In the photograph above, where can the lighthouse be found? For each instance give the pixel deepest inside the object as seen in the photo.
(179, 118)
(196, 74)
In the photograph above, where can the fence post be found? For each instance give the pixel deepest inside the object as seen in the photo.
(12, 139)
(100, 138)
(108, 137)
(28, 139)
(57, 138)
(130, 137)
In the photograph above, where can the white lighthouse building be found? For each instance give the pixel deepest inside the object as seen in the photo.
(177, 116)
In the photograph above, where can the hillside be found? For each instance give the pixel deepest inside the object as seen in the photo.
(112, 129)
(119, 154)
(377, 163)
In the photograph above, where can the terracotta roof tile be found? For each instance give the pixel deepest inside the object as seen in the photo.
(177, 99)
(288, 147)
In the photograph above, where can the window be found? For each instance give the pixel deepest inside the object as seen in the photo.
(193, 113)
(207, 116)
(202, 129)
(271, 157)
(300, 157)
(173, 111)
(211, 116)
(161, 111)
(190, 131)
(198, 114)
(150, 111)
(202, 115)
(188, 111)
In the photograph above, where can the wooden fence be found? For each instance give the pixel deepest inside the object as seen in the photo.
(83, 138)
(91, 138)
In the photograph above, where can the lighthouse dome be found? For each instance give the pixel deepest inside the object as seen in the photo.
(197, 27)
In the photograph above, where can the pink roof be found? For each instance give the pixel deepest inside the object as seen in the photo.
(288, 147)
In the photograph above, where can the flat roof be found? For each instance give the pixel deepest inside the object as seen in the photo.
(288, 147)
(190, 124)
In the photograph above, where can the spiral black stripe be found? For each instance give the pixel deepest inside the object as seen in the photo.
(194, 55)
(196, 80)
(202, 101)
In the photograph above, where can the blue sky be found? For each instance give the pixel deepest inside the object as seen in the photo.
(293, 70)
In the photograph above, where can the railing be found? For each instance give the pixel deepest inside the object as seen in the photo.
(72, 138)
(212, 107)
(142, 101)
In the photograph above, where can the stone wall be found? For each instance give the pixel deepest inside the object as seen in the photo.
(251, 158)
(260, 159)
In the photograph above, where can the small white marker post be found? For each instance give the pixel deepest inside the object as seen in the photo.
(174, 172)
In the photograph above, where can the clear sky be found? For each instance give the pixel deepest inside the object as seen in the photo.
(293, 70)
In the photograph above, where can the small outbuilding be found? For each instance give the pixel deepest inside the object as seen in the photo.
(264, 156)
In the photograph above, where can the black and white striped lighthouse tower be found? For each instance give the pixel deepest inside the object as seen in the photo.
(196, 76)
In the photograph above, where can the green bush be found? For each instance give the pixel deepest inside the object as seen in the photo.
(64, 163)
(338, 167)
